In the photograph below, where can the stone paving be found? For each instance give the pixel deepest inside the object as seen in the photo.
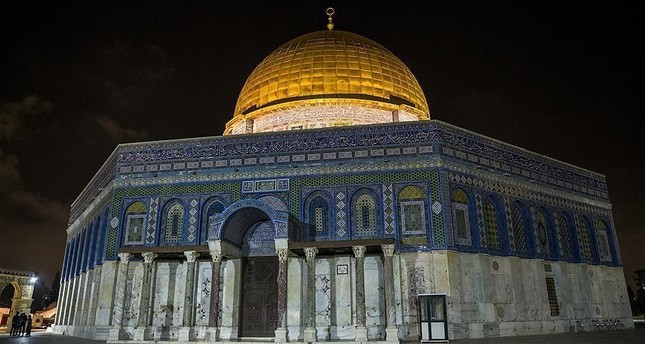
(632, 336)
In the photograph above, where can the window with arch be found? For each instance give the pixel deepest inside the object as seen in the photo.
(214, 208)
(174, 226)
(583, 237)
(564, 238)
(135, 218)
(318, 215)
(364, 214)
(461, 217)
(492, 238)
(603, 241)
(412, 210)
(542, 236)
(518, 228)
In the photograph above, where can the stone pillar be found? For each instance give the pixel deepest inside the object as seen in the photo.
(281, 331)
(310, 295)
(391, 332)
(116, 332)
(185, 332)
(361, 329)
(142, 331)
(216, 266)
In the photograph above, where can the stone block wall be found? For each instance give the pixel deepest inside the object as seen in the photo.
(492, 296)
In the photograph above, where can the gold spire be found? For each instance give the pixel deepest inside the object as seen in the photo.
(330, 12)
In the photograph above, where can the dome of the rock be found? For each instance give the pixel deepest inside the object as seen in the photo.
(327, 78)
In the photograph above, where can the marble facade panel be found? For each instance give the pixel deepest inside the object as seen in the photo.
(324, 293)
(295, 302)
(164, 304)
(230, 300)
(343, 298)
(106, 293)
(203, 290)
(133, 294)
(374, 297)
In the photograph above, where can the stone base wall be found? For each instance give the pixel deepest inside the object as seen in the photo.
(507, 296)
(487, 296)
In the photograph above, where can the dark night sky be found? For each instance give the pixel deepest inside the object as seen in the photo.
(563, 80)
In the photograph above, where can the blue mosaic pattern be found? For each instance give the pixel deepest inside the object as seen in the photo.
(388, 209)
(453, 145)
(365, 212)
(192, 220)
(341, 212)
(259, 240)
(318, 213)
(152, 221)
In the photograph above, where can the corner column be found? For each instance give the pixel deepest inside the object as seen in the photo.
(391, 332)
(142, 331)
(281, 331)
(185, 332)
(310, 295)
(361, 328)
(116, 332)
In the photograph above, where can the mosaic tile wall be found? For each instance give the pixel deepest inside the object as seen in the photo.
(574, 239)
(150, 195)
(433, 154)
(393, 139)
(385, 188)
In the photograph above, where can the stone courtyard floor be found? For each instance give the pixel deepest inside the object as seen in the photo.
(634, 336)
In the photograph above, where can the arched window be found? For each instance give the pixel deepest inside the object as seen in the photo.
(412, 210)
(135, 218)
(492, 238)
(461, 217)
(564, 238)
(603, 241)
(364, 219)
(583, 237)
(214, 208)
(174, 224)
(542, 235)
(518, 228)
(318, 217)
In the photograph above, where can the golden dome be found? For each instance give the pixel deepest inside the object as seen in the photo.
(333, 69)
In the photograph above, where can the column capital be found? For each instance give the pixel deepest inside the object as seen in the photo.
(191, 256)
(124, 257)
(216, 256)
(148, 257)
(388, 250)
(359, 251)
(310, 252)
(282, 253)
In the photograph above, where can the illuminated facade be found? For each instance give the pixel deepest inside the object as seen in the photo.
(352, 229)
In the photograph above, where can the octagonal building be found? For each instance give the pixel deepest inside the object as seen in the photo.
(334, 209)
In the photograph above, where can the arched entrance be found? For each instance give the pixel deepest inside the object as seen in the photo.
(9, 291)
(252, 230)
(22, 285)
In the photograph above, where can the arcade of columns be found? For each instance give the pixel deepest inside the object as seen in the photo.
(185, 333)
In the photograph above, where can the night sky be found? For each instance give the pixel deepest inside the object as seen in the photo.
(78, 79)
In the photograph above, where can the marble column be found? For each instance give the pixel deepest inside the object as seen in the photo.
(391, 332)
(185, 332)
(310, 295)
(281, 331)
(361, 328)
(216, 266)
(141, 332)
(116, 332)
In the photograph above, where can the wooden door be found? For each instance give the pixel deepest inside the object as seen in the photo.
(259, 297)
